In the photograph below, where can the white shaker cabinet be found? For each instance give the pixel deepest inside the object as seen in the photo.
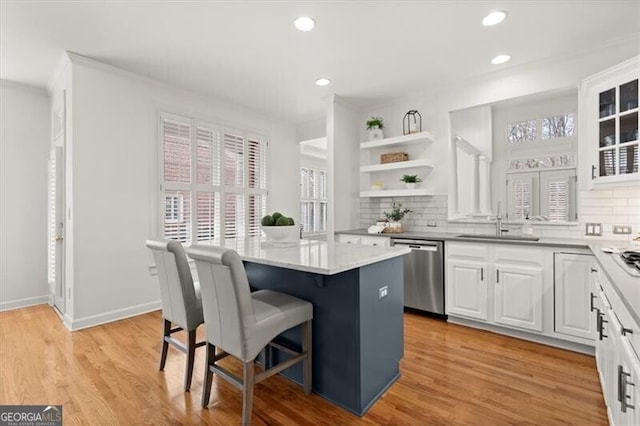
(467, 288)
(617, 357)
(518, 295)
(500, 284)
(573, 288)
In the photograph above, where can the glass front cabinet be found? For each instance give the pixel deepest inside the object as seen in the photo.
(609, 117)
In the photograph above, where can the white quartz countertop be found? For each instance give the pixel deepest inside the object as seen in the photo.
(321, 257)
(626, 285)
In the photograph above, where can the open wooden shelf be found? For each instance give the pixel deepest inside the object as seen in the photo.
(413, 138)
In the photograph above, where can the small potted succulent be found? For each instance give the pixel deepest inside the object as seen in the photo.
(375, 126)
(410, 181)
(280, 228)
(394, 218)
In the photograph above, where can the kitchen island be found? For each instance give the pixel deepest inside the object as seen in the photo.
(357, 296)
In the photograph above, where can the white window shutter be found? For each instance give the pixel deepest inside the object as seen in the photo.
(557, 195)
(213, 182)
(234, 216)
(233, 149)
(208, 156)
(522, 195)
(176, 145)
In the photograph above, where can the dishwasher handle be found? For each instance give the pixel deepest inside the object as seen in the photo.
(417, 245)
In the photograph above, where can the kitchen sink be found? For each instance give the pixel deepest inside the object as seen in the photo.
(495, 237)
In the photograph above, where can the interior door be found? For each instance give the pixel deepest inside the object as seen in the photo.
(56, 206)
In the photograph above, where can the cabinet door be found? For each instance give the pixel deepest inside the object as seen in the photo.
(522, 195)
(558, 195)
(572, 291)
(518, 296)
(610, 124)
(467, 288)
(626, 407)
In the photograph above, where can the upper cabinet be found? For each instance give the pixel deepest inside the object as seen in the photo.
(384, 161)
(609, 102)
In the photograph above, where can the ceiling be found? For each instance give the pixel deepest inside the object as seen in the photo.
(250, 53)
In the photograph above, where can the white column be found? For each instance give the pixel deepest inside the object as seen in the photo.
(485, 185)
(475, 191)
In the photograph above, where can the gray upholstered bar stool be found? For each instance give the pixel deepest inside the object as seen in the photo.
(181, 303)
(242, 323)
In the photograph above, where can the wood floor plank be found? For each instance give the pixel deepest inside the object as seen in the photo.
(451, 375)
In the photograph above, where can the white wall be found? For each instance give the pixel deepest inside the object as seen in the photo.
(115, 207)
(508, 84)
(24, 150)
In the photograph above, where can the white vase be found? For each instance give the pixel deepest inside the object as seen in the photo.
(375, 134)
(410, 185)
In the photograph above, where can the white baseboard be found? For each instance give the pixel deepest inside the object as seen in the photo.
(75, 324)
(532, 337)
(23, 303)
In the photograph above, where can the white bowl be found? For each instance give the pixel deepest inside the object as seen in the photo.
(282, 233)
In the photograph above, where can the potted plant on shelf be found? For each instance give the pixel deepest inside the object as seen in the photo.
(375, 126)
(410, 181)
(279, 228)
(394, 218)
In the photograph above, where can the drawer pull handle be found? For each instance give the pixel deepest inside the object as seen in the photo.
(481, 274)
(591, 307)
(626, 331)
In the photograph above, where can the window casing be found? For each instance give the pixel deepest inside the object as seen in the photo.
(213, 181)
(313, 200)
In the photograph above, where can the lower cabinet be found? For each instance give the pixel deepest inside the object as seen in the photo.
(467, 288)
(518, 296)
(363, 240)
(573, 295)
(500, 284)
(616, 358)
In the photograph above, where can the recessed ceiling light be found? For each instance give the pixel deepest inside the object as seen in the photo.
(500, 59)
(304, 23)
(494, 18)
(323, 81)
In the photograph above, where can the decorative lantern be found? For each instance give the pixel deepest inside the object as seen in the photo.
(407, 126)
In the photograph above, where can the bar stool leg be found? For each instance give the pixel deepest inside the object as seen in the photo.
(247, 393)
(165, 344)
(208, 374)
(191, 354)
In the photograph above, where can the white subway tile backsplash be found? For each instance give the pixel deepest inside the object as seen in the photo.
(626, 193)
(619, 206)
(603, 202)
(596, 194)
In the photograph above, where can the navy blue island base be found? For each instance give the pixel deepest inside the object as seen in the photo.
(357, 331)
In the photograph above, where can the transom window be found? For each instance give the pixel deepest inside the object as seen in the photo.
(555, 126)
(213, 181)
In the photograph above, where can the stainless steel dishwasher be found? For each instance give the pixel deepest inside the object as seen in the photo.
(423, 275)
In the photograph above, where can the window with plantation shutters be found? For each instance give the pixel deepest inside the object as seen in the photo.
(313, 200)
(213, 181)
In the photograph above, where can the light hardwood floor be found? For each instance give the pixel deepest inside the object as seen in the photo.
(450, 375)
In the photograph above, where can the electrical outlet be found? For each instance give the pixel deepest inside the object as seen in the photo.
(593, 229)
(621, 229)
(432, 223)
(382, 292)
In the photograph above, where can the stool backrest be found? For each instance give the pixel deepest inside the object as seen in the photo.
(226, 298)
(179, 302)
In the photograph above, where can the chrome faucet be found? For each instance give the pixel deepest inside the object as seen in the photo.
(499, 226)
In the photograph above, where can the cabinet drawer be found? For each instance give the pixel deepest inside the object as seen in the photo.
(375, 241)
(349, 239)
